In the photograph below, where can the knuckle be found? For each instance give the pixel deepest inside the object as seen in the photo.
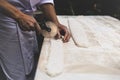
(31, 24)
(34, 21)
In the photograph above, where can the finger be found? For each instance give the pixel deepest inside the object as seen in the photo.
(32, 28)
(67, 37)
(27, 28)
(66, 34)
(23, 28)
(37, 28)
(58, 36)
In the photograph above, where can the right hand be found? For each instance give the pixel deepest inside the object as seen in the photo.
(28, 23)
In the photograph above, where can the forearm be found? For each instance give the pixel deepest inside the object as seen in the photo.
(10, 10)
(49, 12)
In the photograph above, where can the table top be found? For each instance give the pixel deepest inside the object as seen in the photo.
(93, 52)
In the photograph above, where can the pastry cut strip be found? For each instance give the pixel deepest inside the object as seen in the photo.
(55, 62)
(78, 33)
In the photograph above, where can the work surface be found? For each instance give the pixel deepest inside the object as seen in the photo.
(93, 52)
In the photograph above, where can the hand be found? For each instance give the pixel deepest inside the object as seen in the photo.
(63, 31)
(28, 23)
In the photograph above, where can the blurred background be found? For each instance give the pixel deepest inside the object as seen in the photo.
(88, 7)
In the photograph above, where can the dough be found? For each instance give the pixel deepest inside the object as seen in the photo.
(78, 34)
(55, 63)
(53, 32)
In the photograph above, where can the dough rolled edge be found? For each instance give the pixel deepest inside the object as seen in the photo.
(55, 64)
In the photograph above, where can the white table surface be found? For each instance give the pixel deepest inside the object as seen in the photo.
(93, 52)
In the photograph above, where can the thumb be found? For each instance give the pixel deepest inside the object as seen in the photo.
(58, 36)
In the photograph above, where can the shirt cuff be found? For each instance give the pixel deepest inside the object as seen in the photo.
(46, 1)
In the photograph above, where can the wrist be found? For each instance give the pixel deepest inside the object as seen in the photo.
(17, 15)
(57, 24)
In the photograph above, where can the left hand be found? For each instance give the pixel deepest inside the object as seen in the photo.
(63, 31)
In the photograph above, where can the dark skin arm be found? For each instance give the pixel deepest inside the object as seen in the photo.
(26, 22)
(49, 12)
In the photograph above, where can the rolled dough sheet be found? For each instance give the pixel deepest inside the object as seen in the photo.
(55, 59)
(51, 60)
(92, 61)
(79, 76)
(82, 59)
(78, 34)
